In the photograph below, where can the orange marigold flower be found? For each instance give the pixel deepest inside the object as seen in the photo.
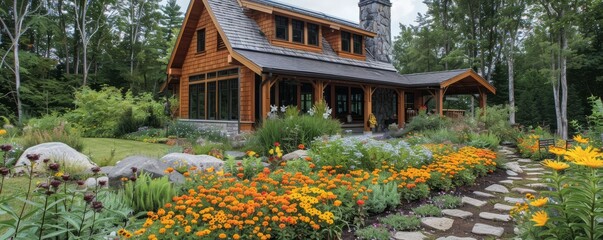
(169, 170)
(360, 202)
(337, 203)
(236, 237)
(222, 235)
(301, 146)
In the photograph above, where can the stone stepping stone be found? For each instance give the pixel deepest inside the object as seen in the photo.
(515, 178)
(511, 173)
(473, 202)
(438, 223)
(523, 190)
(483, 194)
(537, 185)
(495, 216)
(534, 173)
(483, 229)
(502, 207)
(533, 169)
(455, 238)
(533, 179)
(514, 200)
(524, 160)
(497, 188)
(409, 236)
(457, 213)
(506, 181)
(514, 166)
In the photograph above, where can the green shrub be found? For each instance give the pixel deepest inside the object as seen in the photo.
(207, 148)
(292, 131)
(439, 181)
(447, 201)
(127, 123)
(418, 192)
(443, 135)
(428, 210)
(190, 131)
(424, 122)
(148, 194)
(495, 119)
(249, 167)
(383, 197)
(373, 233)
(401, 222)
(146, 135)
(59, 134)
(484, 140)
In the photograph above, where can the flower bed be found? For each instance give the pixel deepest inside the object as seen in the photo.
(314, 203)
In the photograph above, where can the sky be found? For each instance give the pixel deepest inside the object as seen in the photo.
(403, 11)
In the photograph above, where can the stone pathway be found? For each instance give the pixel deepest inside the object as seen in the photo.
(492, 204)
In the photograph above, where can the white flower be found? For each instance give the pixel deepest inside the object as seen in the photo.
(311, 112)
(327, 113)
(283, 108)
(273, 108)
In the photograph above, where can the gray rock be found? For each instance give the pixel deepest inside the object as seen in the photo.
(473, 202)
(235, 154)
(409, 236)
(514, 200)
(483, 194)
(515, 178)
(523, 190)
(495, 216)
(497, 188)
(514, 166)
(70, 160)
(537, 185)
(457, 213)
(511, 173)
(107, 169)
(180, 160)
(92, 182)
(438, 223)
(502, 207)
(151, 166)
(506, 181)
(533, 179)
(524, 160)
(534, 173)
(455, 238)
(299, 154)
(533, 169)
(483, 229)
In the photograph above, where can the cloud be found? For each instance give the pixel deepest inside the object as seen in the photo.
(403, 11)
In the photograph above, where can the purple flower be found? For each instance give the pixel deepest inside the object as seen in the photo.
(88, 197)
(6, 147)
(33, 157)
(54, 166)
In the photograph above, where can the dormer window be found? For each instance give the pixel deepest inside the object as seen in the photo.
(357, 44)
(346, 41)
(282, 28)
(298, 31)
(312, 34)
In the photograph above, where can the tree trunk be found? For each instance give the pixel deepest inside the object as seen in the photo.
(563, 79)
(511, 65)
(17, 68)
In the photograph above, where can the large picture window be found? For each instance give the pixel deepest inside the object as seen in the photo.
(214, 100)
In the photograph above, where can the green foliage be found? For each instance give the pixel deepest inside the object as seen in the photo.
(99, 112)
(424, 122)
(208, 147)
(127, 123)
(443, 135)
(298, 165)
(418, 192)
(373, 233)
(438, 181)
(495, 119)
(59, 134)
(292, 131)
(595, 120)
(427, 210)
(190, 131)
(484, 140)
(147, 194)
(447, 201)
(249, 167)
(401, 223)
(383, 197)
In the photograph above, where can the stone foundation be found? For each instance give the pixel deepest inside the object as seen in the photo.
(229, 128)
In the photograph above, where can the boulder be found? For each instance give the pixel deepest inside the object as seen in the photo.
(71, 160)
(151, 166)
(183, 160)
(299, 154)
(235, 154)
(93, 182)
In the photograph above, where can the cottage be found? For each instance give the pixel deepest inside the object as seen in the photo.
(235, 58)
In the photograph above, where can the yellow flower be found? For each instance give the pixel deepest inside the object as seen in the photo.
(250, 153)
(271, 152)
(3, 132)
(540, 218)
(579, 154)
(556, 165)
(591, 163)
(59, 174)
(557, 150)
(222, 235)
(580, 139)
(539, 202)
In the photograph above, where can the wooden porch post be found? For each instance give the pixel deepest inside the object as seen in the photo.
(319, 87)
(265, 98)
(482, 99)
(401, 107)
(418, 100)
(440, 102)
(368, 106)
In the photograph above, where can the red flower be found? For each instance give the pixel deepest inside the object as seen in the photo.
(360, 202)
(301, 146)
(276, 144)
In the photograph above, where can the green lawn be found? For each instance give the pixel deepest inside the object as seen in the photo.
(107, 151)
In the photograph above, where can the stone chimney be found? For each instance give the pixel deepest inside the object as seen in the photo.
(375, 16)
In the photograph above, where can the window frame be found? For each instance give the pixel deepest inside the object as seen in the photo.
(199, 40)
(349, 41)
(286, 27)
(220, 95)
(361, 49)
(308, 24)
(301, 31)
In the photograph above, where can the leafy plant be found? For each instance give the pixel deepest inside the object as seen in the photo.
(424, 122)
(428, 210)
(373, 233)
(401, 223)
(447, 201)
(146, 193)
(484, 140)
(383, 197)
(127, 123)
(59, 134)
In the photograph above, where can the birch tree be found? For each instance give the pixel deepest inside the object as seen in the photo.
(87, 25)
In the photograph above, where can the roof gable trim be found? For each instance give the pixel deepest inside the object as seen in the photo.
(472, 74)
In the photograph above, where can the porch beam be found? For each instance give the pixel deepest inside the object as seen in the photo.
(368, 105)
(265, 86)
(401, 109)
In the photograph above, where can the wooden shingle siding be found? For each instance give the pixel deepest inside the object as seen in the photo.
(247, 98)
(333, 37)
(194, 63)
(265, 21)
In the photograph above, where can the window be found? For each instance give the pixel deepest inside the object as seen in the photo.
(356, 101)
(341, 98)
(287, 93)
(306, 97)
(197, 101)
(216, 100)
(211, 101)
(201, 40)
(298, 31)
(221, 44)
(282, 27)
(228, 99)
(345, 41)
(357, 44)
(312, 34)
